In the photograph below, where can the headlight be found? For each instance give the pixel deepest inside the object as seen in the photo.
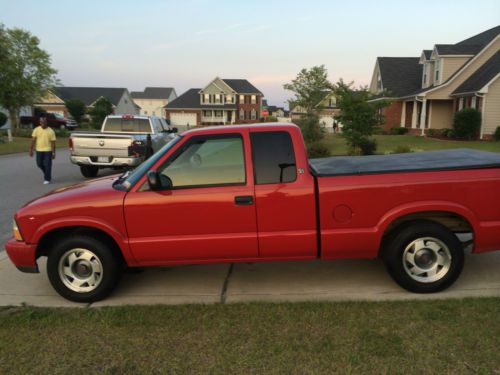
(17, 232)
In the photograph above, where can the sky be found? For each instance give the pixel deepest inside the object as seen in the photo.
(185, 44)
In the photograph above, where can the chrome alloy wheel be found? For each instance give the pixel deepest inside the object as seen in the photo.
(426, 259)
(80, 270)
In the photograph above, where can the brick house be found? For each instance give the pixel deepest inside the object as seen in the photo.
(221, 102)
(452, 77)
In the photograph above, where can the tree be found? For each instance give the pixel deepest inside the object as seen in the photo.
(359, 118)
(102, 108)
(76, 109)
(26, 73)
(310, 88)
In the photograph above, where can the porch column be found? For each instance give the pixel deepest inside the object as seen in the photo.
(414, 115)
(403, 115)
(423, 114)
(233, 117)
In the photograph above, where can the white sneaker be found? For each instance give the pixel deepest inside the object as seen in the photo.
(46, 182)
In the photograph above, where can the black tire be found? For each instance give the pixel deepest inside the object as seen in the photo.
(89, 171)
(433, 235)
(108, 264)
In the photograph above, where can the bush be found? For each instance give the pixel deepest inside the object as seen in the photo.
(269, 119)
(62, 132)
(398, 131)
(363, 146)
(448, 133)
(3, 118)
(317, 150)
(496, 134)
(403, 149)
(467, 123)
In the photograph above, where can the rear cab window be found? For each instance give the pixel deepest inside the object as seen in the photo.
(127, 125)
(273, 157)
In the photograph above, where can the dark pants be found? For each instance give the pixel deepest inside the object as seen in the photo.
(44, 162)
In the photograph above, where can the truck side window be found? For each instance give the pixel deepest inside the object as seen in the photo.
(273, 157)
(208, 161)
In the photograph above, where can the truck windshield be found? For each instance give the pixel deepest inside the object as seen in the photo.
(127, 125)
(129, 180)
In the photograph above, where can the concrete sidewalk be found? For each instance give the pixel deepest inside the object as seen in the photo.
(277, 282)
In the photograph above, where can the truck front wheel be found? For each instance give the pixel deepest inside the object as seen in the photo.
(89, 171)
(424, 257)
(82, 269)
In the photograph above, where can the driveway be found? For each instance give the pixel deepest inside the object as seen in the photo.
(21, 181)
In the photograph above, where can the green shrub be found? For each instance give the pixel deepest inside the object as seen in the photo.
(269, 119)
(467, 123)
(364, 146)
(317, 150)
(24, 132)
(496, 134)
(433, 132)
(402, 149)
(3, 118)
(398, 131)
(62, 132)
(448, 133)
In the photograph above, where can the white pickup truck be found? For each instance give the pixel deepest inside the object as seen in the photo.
(124, 141)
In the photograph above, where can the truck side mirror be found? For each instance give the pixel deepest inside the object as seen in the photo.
(158, 181)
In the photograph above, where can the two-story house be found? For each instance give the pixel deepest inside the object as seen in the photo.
(153, 100)
(221, 102)
(327, 111)
(427, 91)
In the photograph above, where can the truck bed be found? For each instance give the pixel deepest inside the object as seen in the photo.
(399, 163)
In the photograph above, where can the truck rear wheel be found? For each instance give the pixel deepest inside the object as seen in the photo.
(83, 269)
(89, 171)
(424, 257)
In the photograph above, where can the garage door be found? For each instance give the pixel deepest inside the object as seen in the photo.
(183, 119)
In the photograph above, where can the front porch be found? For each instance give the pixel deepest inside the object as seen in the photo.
(421, 114)
(218, 117)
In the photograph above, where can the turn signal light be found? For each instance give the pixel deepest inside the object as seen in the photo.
(17, 232)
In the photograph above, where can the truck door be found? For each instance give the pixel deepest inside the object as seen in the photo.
(208, 214)
(285, 198)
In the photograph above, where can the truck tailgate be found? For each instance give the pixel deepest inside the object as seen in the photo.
(101, 145)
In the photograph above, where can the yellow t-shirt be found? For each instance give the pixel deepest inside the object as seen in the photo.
(43, 138)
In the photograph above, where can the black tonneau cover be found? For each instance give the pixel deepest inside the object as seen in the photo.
(410, 162)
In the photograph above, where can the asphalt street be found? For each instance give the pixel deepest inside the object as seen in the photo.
(21, 181)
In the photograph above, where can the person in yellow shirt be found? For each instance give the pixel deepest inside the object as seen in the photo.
(44, 143)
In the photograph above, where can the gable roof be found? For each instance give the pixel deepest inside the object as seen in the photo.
(483, 38)
(191, 100)
(153, 93)
(242, 86)
(458, 49)
(89, 95)
(427, 53)
(400, 75)
(480, 77)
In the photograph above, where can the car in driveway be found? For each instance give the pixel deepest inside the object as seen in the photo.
(248, 193)
(124, 141)
(54, 120)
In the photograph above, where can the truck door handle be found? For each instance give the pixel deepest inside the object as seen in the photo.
(244, 200)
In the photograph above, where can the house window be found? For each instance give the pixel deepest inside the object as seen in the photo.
(424, 79)
(379, 83)
(206, 98)
(254, 99)
(154, 113)
(207, 113)
(218, 113)
(242, 114)
(242, 99)
(253, 114)
(332, 103)
(217, 98)
(229, 99)
(473, 102)
(437, 68)
(460, 104)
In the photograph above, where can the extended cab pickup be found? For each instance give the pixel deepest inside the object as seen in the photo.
(248, 194)
(124, 141)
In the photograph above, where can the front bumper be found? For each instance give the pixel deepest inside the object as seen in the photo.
(22, 255)
(114, 162)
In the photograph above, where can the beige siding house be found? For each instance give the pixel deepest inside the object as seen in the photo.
(153, 100)
(453, 76)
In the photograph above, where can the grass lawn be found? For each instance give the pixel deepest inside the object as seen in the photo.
(440, 336)
(387, 143)
(21, 144)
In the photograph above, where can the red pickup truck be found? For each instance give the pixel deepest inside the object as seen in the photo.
(248, 194)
